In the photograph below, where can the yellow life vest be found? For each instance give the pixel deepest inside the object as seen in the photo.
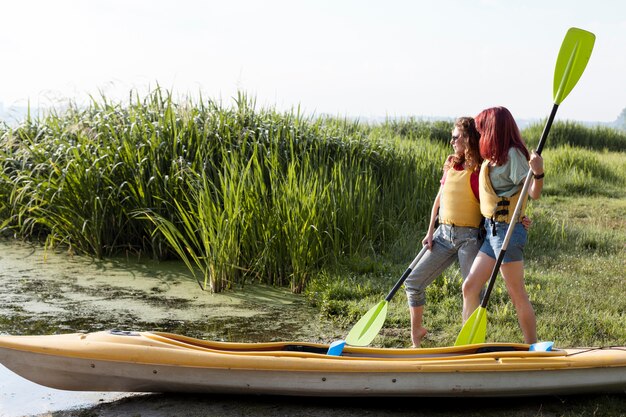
(492, 206)
(458, 204)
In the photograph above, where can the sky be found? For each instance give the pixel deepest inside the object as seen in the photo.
(354, 58)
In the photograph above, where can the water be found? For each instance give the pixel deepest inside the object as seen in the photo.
(50, 293)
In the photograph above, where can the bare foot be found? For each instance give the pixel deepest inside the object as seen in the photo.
(417, 335)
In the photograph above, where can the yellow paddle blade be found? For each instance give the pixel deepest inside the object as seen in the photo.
(366, 329)
(475, 328)
(571, 62)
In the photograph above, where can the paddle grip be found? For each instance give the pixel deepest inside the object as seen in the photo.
(396, 287)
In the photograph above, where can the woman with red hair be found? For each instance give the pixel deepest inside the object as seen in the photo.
(502, 174)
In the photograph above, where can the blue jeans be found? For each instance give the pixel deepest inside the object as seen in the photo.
(495, 239)
(449, 243)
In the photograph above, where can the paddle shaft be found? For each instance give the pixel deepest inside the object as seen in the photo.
(518, 209)
(404, 276)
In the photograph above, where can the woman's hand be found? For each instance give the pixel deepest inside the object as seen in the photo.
(536, 163)
(428, 240)
(526, 222)
(536, 166)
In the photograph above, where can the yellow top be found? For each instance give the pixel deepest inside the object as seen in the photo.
(459, 205)
(492, 206)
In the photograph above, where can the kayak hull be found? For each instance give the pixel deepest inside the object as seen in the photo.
(152, 363)
(84, 375)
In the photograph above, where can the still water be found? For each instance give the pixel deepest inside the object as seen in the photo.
(43, 292)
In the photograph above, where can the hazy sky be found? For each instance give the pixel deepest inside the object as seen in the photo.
(346, 58)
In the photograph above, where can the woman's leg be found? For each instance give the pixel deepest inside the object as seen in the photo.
(418, 331)
(478, 276)
(432, 264)
(513, 274)
(467, 255)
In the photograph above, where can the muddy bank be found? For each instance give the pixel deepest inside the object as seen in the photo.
(158, 405)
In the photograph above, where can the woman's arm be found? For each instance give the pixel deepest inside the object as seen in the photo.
(428, 240)
(536, 166)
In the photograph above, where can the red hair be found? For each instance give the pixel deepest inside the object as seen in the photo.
(498, 133)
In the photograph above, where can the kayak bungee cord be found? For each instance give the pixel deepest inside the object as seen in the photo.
(587, 350)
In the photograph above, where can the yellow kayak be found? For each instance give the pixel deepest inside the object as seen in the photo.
(163, 362)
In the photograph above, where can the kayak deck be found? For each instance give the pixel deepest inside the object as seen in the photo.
(283, 348)
(163, 362)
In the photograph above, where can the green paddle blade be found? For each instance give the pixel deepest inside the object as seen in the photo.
(474, 329)
(366, 329)
(572, 61)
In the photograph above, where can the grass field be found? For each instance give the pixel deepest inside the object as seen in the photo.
(575, 263)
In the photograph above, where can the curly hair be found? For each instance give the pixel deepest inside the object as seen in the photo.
(471, 139)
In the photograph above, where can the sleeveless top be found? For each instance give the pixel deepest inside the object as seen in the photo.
(459, 205)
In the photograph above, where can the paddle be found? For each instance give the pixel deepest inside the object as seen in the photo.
(570, 64)
(366, 329)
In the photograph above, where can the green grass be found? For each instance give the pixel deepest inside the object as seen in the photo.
(575, 263)
(578, 171)
(576, 134)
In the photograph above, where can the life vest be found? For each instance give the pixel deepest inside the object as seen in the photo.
(492, 206)
(458, 204)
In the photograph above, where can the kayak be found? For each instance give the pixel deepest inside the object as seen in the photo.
(164, 362)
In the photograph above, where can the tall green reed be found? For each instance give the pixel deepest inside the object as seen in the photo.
(236, 192)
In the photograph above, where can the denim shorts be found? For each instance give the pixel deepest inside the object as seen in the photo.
(493, 241)
(450, 243)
